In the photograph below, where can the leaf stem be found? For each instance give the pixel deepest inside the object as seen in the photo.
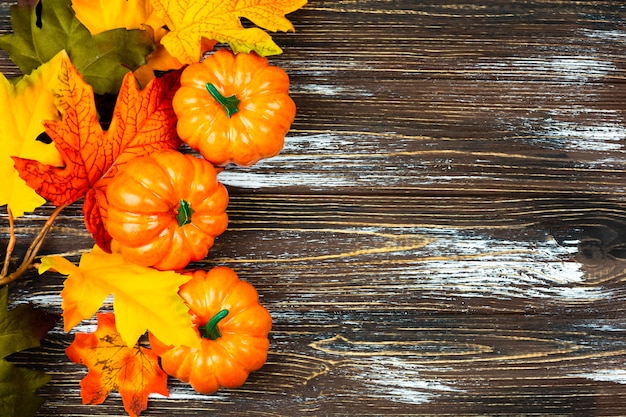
(210, 330)
(10, 245)
(32, 250)
(230, 104)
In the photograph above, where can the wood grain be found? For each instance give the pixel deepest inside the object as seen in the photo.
(445, 231)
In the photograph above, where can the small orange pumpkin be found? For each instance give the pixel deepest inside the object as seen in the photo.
(232, 327)
(234, 108)
(165, 209)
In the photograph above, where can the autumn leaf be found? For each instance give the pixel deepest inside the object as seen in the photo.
(20, 329)
(30, 99)
(39, 33)
(161, 60)
(143, 122)
(133, 371)
(191, 20)
(101, 15)
(143, 298)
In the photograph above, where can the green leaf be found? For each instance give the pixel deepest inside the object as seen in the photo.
(39, 33)
(17, 390)
(20, 329)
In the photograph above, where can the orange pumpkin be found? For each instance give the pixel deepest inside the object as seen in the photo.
(165, 209)
(232, 329)
(234, 108)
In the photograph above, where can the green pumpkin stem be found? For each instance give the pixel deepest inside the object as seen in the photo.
(183, 216)
(229, 104)
(210, 330)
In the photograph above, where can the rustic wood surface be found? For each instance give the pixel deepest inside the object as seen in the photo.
(445, 231)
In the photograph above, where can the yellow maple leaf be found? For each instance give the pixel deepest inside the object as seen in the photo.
(143, 298)
(25, 104)
(102, 15)
(191, 20)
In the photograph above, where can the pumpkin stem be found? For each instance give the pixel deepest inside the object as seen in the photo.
(229, 104)
(210, 330)
(183, 216)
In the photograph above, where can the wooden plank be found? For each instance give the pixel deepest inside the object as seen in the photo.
(425, 364)
(460, 97)
(431, 316)
(444, 232)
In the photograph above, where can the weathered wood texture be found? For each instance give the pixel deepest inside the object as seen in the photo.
(445, 231)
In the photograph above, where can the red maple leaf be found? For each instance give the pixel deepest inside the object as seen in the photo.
(143, 122)
(134, 372)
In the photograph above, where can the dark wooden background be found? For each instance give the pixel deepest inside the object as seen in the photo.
(445, 231)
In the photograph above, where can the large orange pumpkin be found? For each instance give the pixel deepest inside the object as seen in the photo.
(165, 209)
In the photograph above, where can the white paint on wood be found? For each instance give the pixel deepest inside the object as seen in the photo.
(605, 375)
(608, 35)
(566, 68)
(330, 90)
(183, 391)
(599, 325)
(475, 265)
(570, 136)
(577, 67)
(254, 180)
(397, 380)
(607, 135)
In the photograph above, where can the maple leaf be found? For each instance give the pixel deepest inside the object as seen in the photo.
(143, 298)
(161, 60)
(20, 329)
(39, 33)
(133, 371)
(30, 100)
(191, 20)
(101, 15)
(143, 122)
(104, 15)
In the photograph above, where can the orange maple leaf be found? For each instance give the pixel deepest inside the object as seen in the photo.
(134, 372)
(143, 122)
